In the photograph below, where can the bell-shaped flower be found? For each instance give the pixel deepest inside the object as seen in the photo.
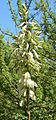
(21, 103)
(34, 43)
(31, 84)
(28, 82)
(27, 75)
(35, 53)
(32, 95)
(30, 57)
(25, 93)
(22, 24)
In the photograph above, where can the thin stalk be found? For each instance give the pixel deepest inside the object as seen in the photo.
(27, 104)
(29, 115)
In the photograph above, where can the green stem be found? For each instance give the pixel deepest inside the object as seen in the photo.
(27, 104)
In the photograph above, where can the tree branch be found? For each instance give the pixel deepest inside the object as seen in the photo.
(29, 4)
(26, 3)
(14, 16)
(8, 34)
(5, 33)
(12, 85)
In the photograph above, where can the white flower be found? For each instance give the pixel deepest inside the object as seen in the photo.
(39, 32)
(21, 35)
(30, 54)
(29, 35)
(20, 80)
(25, 93)
(33, 41)
(39, 46)
(27, 47)
(30, 57)
(31, 83)
(21, 103)
(24, 28)
(21, 24)
(28, 82)
(37, 56)
(32, 95)
(23, 54)
(27, 75)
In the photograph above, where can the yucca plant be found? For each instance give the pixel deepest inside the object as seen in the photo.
(28, 58)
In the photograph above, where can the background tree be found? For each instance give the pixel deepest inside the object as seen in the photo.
(33, 48)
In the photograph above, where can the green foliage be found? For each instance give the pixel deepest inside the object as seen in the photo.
(28, 66)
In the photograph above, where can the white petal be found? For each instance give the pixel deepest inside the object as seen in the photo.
(21, 103)
(37, 56)
(25, 93)
(27, 75)
(20, 80)
(21, 24)
(32, 95)
(33, 41)
(31, 84)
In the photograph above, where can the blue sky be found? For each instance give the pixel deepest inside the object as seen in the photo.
(5, 16)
